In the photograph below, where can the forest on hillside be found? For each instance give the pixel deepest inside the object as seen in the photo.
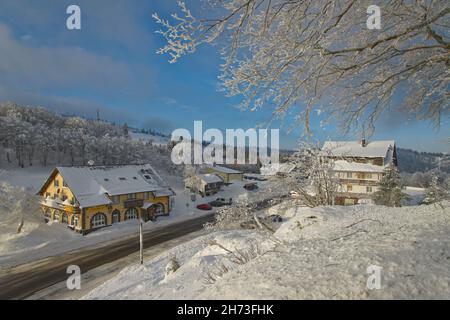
(36, 136)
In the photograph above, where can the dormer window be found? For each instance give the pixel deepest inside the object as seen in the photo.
(122, 179)
(106, 179)
(135, 178)
(147, 177)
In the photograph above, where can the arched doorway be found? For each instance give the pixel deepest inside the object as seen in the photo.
(56, 215)
(65, 218)
(98, 220)
(116, 216)
(74, 221)
(131, 214)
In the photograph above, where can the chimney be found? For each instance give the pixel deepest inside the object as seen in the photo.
(363, 142)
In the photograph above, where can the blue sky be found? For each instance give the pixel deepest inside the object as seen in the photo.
(112, 65)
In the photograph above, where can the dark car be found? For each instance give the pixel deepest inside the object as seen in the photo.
(251, 186)
(204, 206)
(275, 218)
(220, 202)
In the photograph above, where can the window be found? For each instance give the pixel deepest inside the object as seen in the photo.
(368, 189)
(368, 176)
(122, 178)
(98, 220)
(115, 199)
(131, 214)
(131, 196)
(47, 194)
(349, 174)
(65, 218)
(64, 197)
(56, 183)
(116, 216)
(349, 187)
(134, 178)
(65, 184)
(159, 209)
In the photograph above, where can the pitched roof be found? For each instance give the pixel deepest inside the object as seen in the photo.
(210, 178)
(223, 169)
(342, 165)
(91, 185)
(372, 149)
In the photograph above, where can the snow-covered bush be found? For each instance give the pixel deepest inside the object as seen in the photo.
(172, 266)
(232, 258)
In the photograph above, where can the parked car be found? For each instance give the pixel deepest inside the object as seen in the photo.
(251, 186)
(255, 178)
(275, 218)
(204, 206)
(220, 202)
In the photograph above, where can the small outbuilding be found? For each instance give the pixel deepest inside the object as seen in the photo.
(204, 184)
(228, 175)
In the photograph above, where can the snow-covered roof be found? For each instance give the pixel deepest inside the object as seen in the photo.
(91, 185)
(210, 178)
(147, 205)
(372, 149)
(223, 169)
(342, 165)
(274, 168)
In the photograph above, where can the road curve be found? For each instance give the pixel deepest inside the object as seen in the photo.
(21, 281)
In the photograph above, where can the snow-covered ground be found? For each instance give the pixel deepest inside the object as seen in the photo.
(317, 253)
(39, 240)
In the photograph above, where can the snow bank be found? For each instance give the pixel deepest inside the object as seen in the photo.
(320, 253)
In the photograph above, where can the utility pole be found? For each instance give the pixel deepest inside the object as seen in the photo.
(141, 241)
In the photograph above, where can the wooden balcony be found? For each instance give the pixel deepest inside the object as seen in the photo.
(133, 203)
(71, 209)
(359, 182)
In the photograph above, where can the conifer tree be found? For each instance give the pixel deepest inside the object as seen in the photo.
(390, 188)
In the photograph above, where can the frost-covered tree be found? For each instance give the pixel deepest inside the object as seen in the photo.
(389, 191)
(434, 192)
(312, 176)
(28, 133)
(17, 209)
(320, 54)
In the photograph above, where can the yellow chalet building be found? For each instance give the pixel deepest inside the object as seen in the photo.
(91, 197)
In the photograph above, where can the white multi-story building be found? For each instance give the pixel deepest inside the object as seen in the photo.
(358, 167)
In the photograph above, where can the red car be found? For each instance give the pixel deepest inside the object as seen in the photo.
(204, 206)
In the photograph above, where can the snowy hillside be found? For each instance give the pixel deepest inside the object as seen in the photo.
(145, 137)
(316, 253)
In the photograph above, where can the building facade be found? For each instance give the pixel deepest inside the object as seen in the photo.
(228, 175)
(88, 198)
(358, 167)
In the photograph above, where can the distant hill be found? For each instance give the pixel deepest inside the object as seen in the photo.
(412, 161)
